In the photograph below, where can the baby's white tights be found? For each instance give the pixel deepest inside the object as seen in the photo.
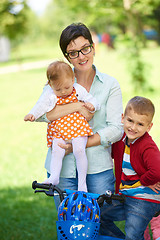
(58, 153)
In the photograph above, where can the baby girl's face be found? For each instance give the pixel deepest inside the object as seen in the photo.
(63, 87)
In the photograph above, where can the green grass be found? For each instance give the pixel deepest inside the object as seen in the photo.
(25, 215)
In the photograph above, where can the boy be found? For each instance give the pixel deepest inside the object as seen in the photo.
(137, 170)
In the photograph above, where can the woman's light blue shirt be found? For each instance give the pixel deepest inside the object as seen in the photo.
(106, 122)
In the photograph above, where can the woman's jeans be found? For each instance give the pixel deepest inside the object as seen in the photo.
(136, 213)
(96, 183)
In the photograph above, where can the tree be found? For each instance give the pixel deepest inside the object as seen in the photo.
(14, 18)
(137, 13)
(102, 13)
(126, 18)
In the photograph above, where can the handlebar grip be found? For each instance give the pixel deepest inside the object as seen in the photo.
(120, 198)
(40, 185)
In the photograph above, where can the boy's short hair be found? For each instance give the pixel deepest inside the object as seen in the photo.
(142, 106)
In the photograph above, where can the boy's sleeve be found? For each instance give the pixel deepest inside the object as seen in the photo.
(45, 103)
(84, 96)
(151, 158)
(117, 150)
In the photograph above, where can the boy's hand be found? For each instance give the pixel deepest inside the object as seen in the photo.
(89, 106)
(29, 117)
(155, 187)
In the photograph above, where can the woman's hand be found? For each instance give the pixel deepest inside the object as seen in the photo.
(68, 147)
(93, 140)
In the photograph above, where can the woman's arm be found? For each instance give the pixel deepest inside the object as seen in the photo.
(63, 110)
(113, 129)
(93, 140)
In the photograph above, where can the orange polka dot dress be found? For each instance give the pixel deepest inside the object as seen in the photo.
(70, 126)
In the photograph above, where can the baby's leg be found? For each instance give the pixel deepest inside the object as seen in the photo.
(79, 147)
(56, 162)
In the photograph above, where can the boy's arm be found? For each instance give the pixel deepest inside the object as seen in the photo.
(151, 161)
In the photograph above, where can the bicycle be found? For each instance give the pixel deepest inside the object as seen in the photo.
(76, 228)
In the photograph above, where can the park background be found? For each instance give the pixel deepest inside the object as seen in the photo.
(133, 59)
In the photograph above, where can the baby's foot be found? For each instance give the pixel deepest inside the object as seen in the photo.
(51, 180)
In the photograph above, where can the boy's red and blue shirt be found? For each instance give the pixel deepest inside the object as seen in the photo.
(136, 167)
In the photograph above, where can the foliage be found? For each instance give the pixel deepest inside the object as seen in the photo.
(114, 17)
(104, 15)
(14, 15)
(95, 14)
(127, 17)
(136, 65)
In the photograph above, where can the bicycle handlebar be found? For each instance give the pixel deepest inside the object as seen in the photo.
(51, 189)
(107, 197)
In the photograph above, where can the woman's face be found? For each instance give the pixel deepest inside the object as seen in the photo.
(82, 62)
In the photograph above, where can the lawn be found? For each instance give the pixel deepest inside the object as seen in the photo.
(25, 215)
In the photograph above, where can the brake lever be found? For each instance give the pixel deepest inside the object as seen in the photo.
(48, 193)
(108, 197)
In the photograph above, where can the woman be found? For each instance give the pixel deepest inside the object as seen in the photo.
(78, 48)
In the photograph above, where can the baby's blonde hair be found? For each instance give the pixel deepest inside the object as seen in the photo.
(142, 106)
(58, 69)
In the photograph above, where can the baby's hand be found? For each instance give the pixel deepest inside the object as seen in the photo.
(89, 106)
(29, 117)
(155, 187)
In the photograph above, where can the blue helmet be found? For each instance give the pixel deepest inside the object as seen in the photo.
(79, 206)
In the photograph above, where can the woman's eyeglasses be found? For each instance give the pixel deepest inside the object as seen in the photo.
(75, 54)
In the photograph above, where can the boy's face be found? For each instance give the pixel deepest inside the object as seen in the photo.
(135, 125)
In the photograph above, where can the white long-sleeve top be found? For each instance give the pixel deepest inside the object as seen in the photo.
(48, 100)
